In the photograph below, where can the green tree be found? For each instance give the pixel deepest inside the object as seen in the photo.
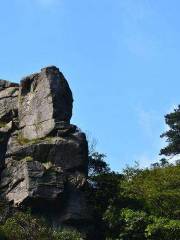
(97, 164)
(102, 190)
(126, 224)
(156, 190)
(138, 225)
(172, 135)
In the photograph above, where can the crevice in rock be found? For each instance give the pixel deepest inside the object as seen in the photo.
(15, 96)
(15, 184)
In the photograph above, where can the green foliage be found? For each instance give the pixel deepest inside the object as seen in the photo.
(21, 140)
(130, 205)
(101, 180)
(138, 225)
(4, 210)
(126, 224)
(2, 124)
(157, 188)
(27, 159)
(133, 224)
(173, 134)
(67, 235)
(22, 226)
(97, 164)
(105, 189)
(163, 229)
(14, 90)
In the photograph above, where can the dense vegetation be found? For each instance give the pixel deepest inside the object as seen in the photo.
(139, 203)
(24, 226)
(135, 204)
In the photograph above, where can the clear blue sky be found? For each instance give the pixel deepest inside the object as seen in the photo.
(121, 58)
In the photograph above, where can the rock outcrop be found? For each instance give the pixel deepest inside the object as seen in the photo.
(43, 158)
(45, 100)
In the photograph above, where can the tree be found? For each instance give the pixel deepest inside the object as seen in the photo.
(172, 135)
(156, 190)
(97, 164)
(139, 204)
(102, 188)
(96, 161)
(138, 225)
(126, 224)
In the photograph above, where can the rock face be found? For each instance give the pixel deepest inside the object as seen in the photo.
(8, 100)
(45, 99)
(43, 158)
(8, 111)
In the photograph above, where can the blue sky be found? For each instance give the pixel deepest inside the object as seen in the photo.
(121, 58)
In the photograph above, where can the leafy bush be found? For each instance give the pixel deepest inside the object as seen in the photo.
(67, 235)
(2, 124)
(163, 229)
(22, 226)
(138, 225)
(126, 224)
(157, 188)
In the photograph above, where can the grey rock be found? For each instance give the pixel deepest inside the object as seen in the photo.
(6, 84)
(8, 103)
(70, 152)
(4, 137)
(45, 98)
(26, 180)
(64, 129)
(50, 171)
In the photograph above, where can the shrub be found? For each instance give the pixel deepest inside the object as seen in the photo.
(22, 226)
(126, 224)
(163, 229)
(67, 235)
(2, 124)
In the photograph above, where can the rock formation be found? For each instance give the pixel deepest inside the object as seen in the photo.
(43, 158)
(45, 99)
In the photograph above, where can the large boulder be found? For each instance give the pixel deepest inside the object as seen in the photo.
(68, 153)
(44, 100)
(27, 180)
(48, 173)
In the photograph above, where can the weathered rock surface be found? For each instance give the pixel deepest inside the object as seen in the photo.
(6, 84)
(8, 112)
(28, 179)
(66, 153)
(4, 137)
(8, 101)
(45, 99)
(43, 158)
